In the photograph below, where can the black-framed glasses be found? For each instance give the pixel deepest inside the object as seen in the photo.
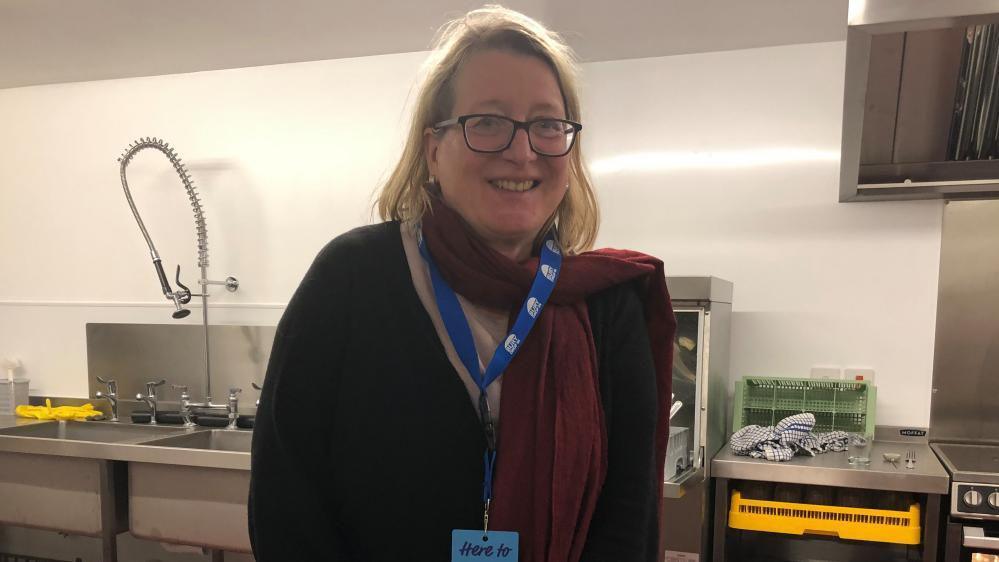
(489, 133)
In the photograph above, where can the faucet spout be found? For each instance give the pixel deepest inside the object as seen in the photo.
(111, 395)
(150, 398)
(151, 403)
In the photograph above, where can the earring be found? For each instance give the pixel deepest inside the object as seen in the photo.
(431, 184)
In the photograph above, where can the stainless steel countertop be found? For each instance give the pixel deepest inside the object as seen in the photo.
(8, 420)
(833, 469)
(123, 451)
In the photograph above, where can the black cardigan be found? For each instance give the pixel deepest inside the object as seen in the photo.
(367, 447)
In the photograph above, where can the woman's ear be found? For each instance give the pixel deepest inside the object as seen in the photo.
(431, 143)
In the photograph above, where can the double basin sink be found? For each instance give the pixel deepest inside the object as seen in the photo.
(165, 483)
(136, 434)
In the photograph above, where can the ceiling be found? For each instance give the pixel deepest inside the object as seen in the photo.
(51, 41)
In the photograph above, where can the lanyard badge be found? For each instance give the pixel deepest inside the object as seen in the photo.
(469, 545)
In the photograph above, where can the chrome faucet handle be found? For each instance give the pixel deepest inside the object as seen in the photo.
(111, 384)
(151, 388)
(184, 294)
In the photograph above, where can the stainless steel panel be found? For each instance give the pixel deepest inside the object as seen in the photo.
(983, 189)
(926, 95)
(881, 109)
(858, 55)
(963, 459)
(833, 469)
(970, 463)
(886, 16)
(678, 487)
(189, 505)
(699, 289)
(930, 173)
(133, 354)
(966, 354)
(58, 493)
(959, 511)
(901, 434)
(91, 431)
(719, 380)
(974, 537)
(685, 525)
(230, 452)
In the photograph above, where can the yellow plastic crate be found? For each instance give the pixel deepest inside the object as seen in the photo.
(876, 525)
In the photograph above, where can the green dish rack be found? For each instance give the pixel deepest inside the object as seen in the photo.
(837, 404)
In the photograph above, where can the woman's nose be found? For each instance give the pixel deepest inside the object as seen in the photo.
(520, 149)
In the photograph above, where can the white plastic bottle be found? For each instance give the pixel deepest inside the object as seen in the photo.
(13, 391)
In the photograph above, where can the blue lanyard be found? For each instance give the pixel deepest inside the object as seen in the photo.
(457, 328)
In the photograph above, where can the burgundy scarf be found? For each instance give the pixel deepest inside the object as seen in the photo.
(552, 440)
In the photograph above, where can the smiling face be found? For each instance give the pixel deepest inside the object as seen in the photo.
(506, 197)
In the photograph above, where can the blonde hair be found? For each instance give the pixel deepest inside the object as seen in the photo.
(404, 195)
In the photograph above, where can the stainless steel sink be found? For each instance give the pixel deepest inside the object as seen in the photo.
(99, 432)
(196, 505)
(181, 485)
(214, 440)
(59, 476)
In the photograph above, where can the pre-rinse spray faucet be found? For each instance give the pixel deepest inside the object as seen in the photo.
(182, 295)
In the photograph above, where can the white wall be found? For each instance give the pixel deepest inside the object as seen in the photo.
(288, 156)
(816, 281)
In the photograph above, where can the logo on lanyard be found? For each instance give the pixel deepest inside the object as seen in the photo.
(511, 344)
(549, 272)
(533, 307)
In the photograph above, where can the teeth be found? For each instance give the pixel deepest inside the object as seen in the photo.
(510, 185)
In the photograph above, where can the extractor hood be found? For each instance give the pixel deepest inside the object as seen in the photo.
(921, 103)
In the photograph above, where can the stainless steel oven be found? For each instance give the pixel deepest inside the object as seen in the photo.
(973, 521)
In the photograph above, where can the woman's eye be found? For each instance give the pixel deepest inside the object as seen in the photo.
(550, 128)
(485, 123)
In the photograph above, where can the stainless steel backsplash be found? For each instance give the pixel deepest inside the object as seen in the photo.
(133, 354)
(966, 358)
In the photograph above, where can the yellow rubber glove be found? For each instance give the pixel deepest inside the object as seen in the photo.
(47, 412)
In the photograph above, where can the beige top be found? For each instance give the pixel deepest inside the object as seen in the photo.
(488, 325)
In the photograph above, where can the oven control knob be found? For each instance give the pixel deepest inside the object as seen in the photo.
(973, 498)
(994, 500)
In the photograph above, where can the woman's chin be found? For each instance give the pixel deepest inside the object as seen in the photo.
(513, 231)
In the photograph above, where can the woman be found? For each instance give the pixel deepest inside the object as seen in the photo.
(381, 433)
